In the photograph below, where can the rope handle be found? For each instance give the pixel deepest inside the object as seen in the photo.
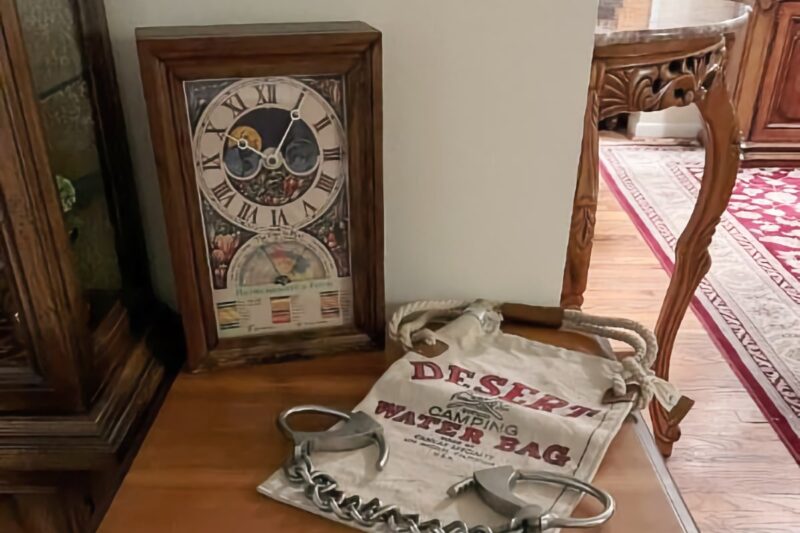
(427, 311)
(408, 326)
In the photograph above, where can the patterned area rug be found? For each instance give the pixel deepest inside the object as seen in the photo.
(750, 300)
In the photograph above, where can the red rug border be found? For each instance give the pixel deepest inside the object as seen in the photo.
(776, 419)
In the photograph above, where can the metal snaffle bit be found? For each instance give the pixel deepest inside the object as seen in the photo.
(494, 485)
(358, 431)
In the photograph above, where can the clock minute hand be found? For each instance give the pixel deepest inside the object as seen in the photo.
(268, 255)
(274, 266)
(294, 116)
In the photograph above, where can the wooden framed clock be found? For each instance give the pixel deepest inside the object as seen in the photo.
(268, 145)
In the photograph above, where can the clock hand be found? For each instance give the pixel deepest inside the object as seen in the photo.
(271, 262)
(294, 116)
(242, 144)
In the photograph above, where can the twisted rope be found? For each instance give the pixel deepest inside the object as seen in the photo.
(636, 368)
(420, 314)
(408, 326)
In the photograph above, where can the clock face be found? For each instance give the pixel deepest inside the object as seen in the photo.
(270, 152)
(270, 158)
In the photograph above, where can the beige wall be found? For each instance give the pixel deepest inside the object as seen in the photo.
(483, 108)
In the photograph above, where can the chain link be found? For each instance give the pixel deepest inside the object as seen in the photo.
(323, 491)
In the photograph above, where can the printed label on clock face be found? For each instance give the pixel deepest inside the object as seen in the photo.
(270, 158)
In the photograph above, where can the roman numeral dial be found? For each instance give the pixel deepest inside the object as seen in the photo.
(332, 154)
(326, 183)
(212, 162)
(224, 193)
(267, 94)
(235, 104)
(271, 153)
(322, 123)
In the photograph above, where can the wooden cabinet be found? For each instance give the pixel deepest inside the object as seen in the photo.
(778, 109)
(77, 371)
(767, 89)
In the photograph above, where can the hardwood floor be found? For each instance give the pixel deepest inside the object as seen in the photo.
(734, 473)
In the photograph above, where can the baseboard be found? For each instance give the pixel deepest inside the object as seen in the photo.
(677, 130)
(678, 123)
(756, 154)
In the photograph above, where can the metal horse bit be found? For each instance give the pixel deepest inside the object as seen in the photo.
(358, 431)
(493, 485)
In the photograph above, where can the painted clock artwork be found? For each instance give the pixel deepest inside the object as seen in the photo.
(268, 140)
(270, 157)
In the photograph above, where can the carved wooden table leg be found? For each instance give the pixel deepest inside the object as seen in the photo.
(692, 259)
(584, 207)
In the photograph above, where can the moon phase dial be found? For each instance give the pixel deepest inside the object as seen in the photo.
(301, 156)
(265, 170)
(243, 153)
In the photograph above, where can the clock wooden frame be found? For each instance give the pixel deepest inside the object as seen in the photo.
(171, 56)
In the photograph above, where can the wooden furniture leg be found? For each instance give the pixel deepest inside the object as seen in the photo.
(692, 259)
(581, 232)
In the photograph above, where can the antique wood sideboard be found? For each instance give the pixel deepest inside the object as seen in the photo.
(650, 56)
(216, 439)
(766, 92)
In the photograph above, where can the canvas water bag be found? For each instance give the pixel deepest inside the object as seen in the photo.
(488, 399)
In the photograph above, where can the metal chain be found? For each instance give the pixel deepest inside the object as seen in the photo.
(322, 490)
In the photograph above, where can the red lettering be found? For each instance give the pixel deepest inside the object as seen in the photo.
(406, 418)
(579, 410)
(425, 421)
(507, 444)
(556, 455)
(517, 390)
(472, 435)
(457, 373)
(448, 428)
(389, 409)
(491, 385)
(420, 373)
(548, 402)
(531, 450)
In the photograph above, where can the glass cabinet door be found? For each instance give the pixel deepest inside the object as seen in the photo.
(52, 38)
(73, 266)
(14, 354)
(42, 312)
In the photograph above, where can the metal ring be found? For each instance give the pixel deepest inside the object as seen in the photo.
(283, 418)
(548, 521)
(357, 430)
(479, 309)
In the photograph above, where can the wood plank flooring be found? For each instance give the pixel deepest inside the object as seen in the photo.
(733, 471)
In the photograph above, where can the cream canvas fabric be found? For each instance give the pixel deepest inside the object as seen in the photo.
(491, 399)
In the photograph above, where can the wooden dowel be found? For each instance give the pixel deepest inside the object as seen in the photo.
(548, 317)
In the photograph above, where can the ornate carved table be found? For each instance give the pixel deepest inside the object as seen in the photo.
(651, 55)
